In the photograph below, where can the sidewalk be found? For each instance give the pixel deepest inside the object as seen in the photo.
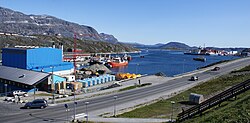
(128, 120)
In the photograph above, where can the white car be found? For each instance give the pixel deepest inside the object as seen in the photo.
(194, 78)
(19, 93)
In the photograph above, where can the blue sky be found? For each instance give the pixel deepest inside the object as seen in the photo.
(220, 23)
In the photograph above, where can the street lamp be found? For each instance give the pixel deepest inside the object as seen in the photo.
(172, 102)
(6, 87)
(115, 97)
(86, 103)
(75, 103)
(52, 84)
(136, 73)
(34, 92)
(67, 110)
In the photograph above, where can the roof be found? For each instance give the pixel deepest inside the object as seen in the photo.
(22, 76)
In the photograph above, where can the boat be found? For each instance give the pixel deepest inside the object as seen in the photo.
(127, 57)
(116, 62)
(203, 59)
(197, 52)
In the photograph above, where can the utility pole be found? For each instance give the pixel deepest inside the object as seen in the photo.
(136, 72)
(34, 92)
(74, 58)
(6, 88)
(115, 97)
(53, 85)
(172, 102)
(75, 103)
(86, 103)
(67, 110)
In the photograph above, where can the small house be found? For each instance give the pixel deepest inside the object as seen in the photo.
(196, 98)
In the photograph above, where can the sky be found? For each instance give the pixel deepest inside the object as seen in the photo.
(216, 23)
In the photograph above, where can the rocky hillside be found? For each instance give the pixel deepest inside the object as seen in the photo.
(22, 24)
(87, 46)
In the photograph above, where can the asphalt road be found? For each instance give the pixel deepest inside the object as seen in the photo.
(57, 113)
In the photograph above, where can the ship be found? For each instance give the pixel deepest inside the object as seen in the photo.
(199, 51)
(117, 62)
(203, 59)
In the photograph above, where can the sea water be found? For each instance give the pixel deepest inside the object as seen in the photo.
(168, 62)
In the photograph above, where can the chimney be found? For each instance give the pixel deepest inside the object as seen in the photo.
(61, 46)
(53, 45)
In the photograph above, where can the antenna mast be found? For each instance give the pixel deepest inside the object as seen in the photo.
(74, 57)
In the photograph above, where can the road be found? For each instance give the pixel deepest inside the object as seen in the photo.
(104, 104)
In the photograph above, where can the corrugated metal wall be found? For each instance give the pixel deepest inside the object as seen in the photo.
(37, 59)
(14, 58)
(43, 57)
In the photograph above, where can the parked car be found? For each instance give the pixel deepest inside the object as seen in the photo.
(216, 69)
(18, 93)
(37, 103)
(194, 78)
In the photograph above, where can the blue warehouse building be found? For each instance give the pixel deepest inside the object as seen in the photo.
(37, 59)
(33, 63)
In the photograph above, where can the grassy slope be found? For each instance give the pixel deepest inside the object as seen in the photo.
(237, 111)
(162, 109)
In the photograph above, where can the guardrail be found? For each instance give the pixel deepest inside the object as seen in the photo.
(215, 100)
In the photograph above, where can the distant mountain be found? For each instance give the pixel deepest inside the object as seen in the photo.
(87, 46)
(143, 46)
(159, 44)
(246, 50)
(22, 24)
(170, 45)
(175, 45)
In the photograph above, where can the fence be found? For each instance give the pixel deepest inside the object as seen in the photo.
(215, 100)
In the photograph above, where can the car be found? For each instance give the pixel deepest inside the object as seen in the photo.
(216, 69)
(18, 93)
(37, 103)
(194, 78)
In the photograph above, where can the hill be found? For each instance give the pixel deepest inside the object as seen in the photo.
(175, 45)
(19, 23)
(87, 46)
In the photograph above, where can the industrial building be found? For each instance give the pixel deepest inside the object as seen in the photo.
(26, 80)
(25, 67)
(37, 59)
(21, 79)
(88, 82)
(28, 67)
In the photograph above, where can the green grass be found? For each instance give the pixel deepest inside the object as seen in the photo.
(44, 94)
(135, 86)
(162, 109)
(128, 88)
(245, 69)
